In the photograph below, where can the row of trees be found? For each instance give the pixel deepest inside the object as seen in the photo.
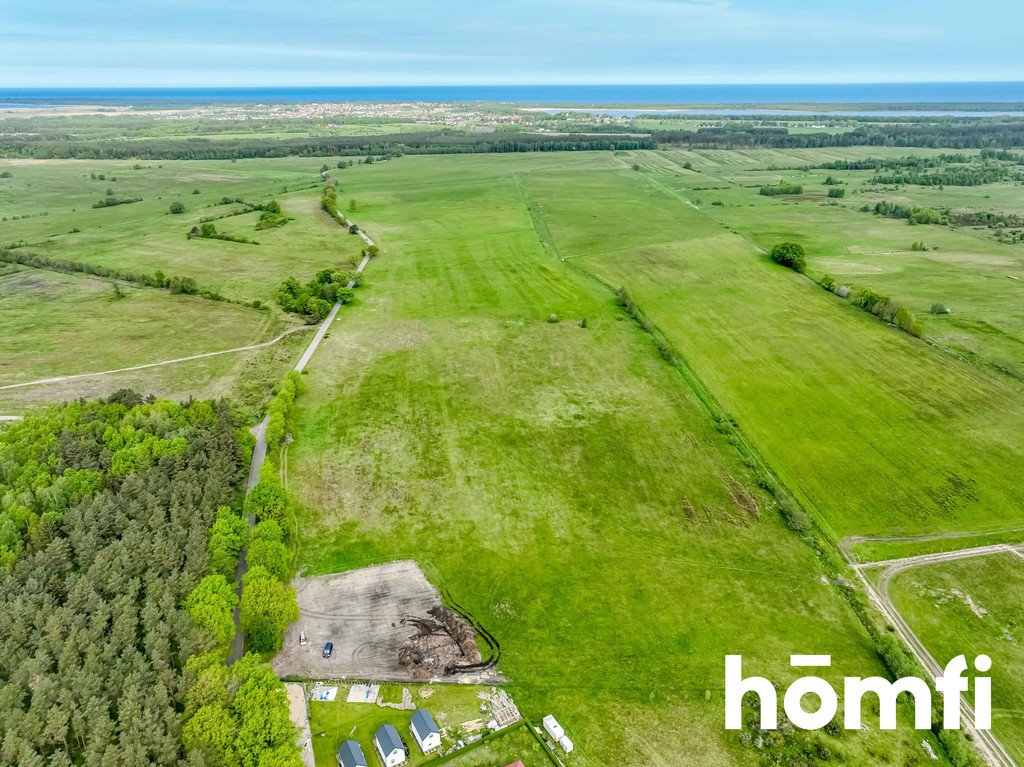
(173, 283)
(208, 231)
(268, 601)
(783, 187)
(444, 141)
(878, 304)
(110, 202)
(971, 176)
(932, 133)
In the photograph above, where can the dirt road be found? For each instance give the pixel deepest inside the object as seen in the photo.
(57, 379)
(259, 453)
(987, 744)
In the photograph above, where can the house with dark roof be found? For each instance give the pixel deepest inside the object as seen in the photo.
(351, 755)
(425, 731)
(389, 746)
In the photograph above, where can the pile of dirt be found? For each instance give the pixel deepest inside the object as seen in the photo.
(442, 645)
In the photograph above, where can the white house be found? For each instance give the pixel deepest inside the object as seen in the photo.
(389, 746)
(553, 728)
(425, 731)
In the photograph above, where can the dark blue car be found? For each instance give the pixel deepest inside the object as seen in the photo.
(328, 649)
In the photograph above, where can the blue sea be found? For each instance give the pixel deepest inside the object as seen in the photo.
(990, 94)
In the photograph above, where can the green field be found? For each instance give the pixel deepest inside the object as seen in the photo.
(56, 324)
(966, 269)
(972, 607)
(486, 408)
(560, 482)
(878, 431)
(54, 198)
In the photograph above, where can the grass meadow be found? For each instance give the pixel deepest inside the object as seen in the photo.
(878, 431)
(486, 409)
(970, 607)
(559, 482)
(144, 236)
(55, 324)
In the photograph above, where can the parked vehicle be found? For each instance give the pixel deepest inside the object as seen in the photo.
(328, 649)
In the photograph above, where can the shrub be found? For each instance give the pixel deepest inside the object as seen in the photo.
(837, 191)
(553, 318)
(791, 255)
(795, 517)
(177, 207)
(939, 309)
(772, 190)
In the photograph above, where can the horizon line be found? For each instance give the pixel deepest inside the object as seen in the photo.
(566, 84)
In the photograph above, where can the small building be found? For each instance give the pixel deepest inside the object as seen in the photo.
(389, 746)
(425, 731)
(553, 728)
(566, 744)
(351, 755)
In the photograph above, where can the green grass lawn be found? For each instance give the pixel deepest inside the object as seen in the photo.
(452, 706)
(936, 600)
(560, 482)
(878, 431)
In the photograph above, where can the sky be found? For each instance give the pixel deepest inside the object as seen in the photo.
(99, 43)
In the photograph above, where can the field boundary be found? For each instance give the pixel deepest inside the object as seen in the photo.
(829, 556)
(204, 355)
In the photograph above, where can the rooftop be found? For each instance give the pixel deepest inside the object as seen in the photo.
(423, 723)
(387, 739)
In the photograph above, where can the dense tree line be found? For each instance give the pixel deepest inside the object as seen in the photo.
(896, 163)
(317, 297)
(972, 176)
(949, 133)
(106, 511)
(427, 142)
(173, 284)
(984, 218)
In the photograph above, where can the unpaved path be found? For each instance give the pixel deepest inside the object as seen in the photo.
(57, 379)
(987, 744)
(259, 453)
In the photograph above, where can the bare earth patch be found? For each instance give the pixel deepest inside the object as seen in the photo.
(370, 615)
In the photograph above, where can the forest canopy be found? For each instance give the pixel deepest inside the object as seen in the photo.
(108, 615)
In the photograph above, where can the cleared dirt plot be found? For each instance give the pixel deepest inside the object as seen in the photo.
(372, 616)
(559, 482)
